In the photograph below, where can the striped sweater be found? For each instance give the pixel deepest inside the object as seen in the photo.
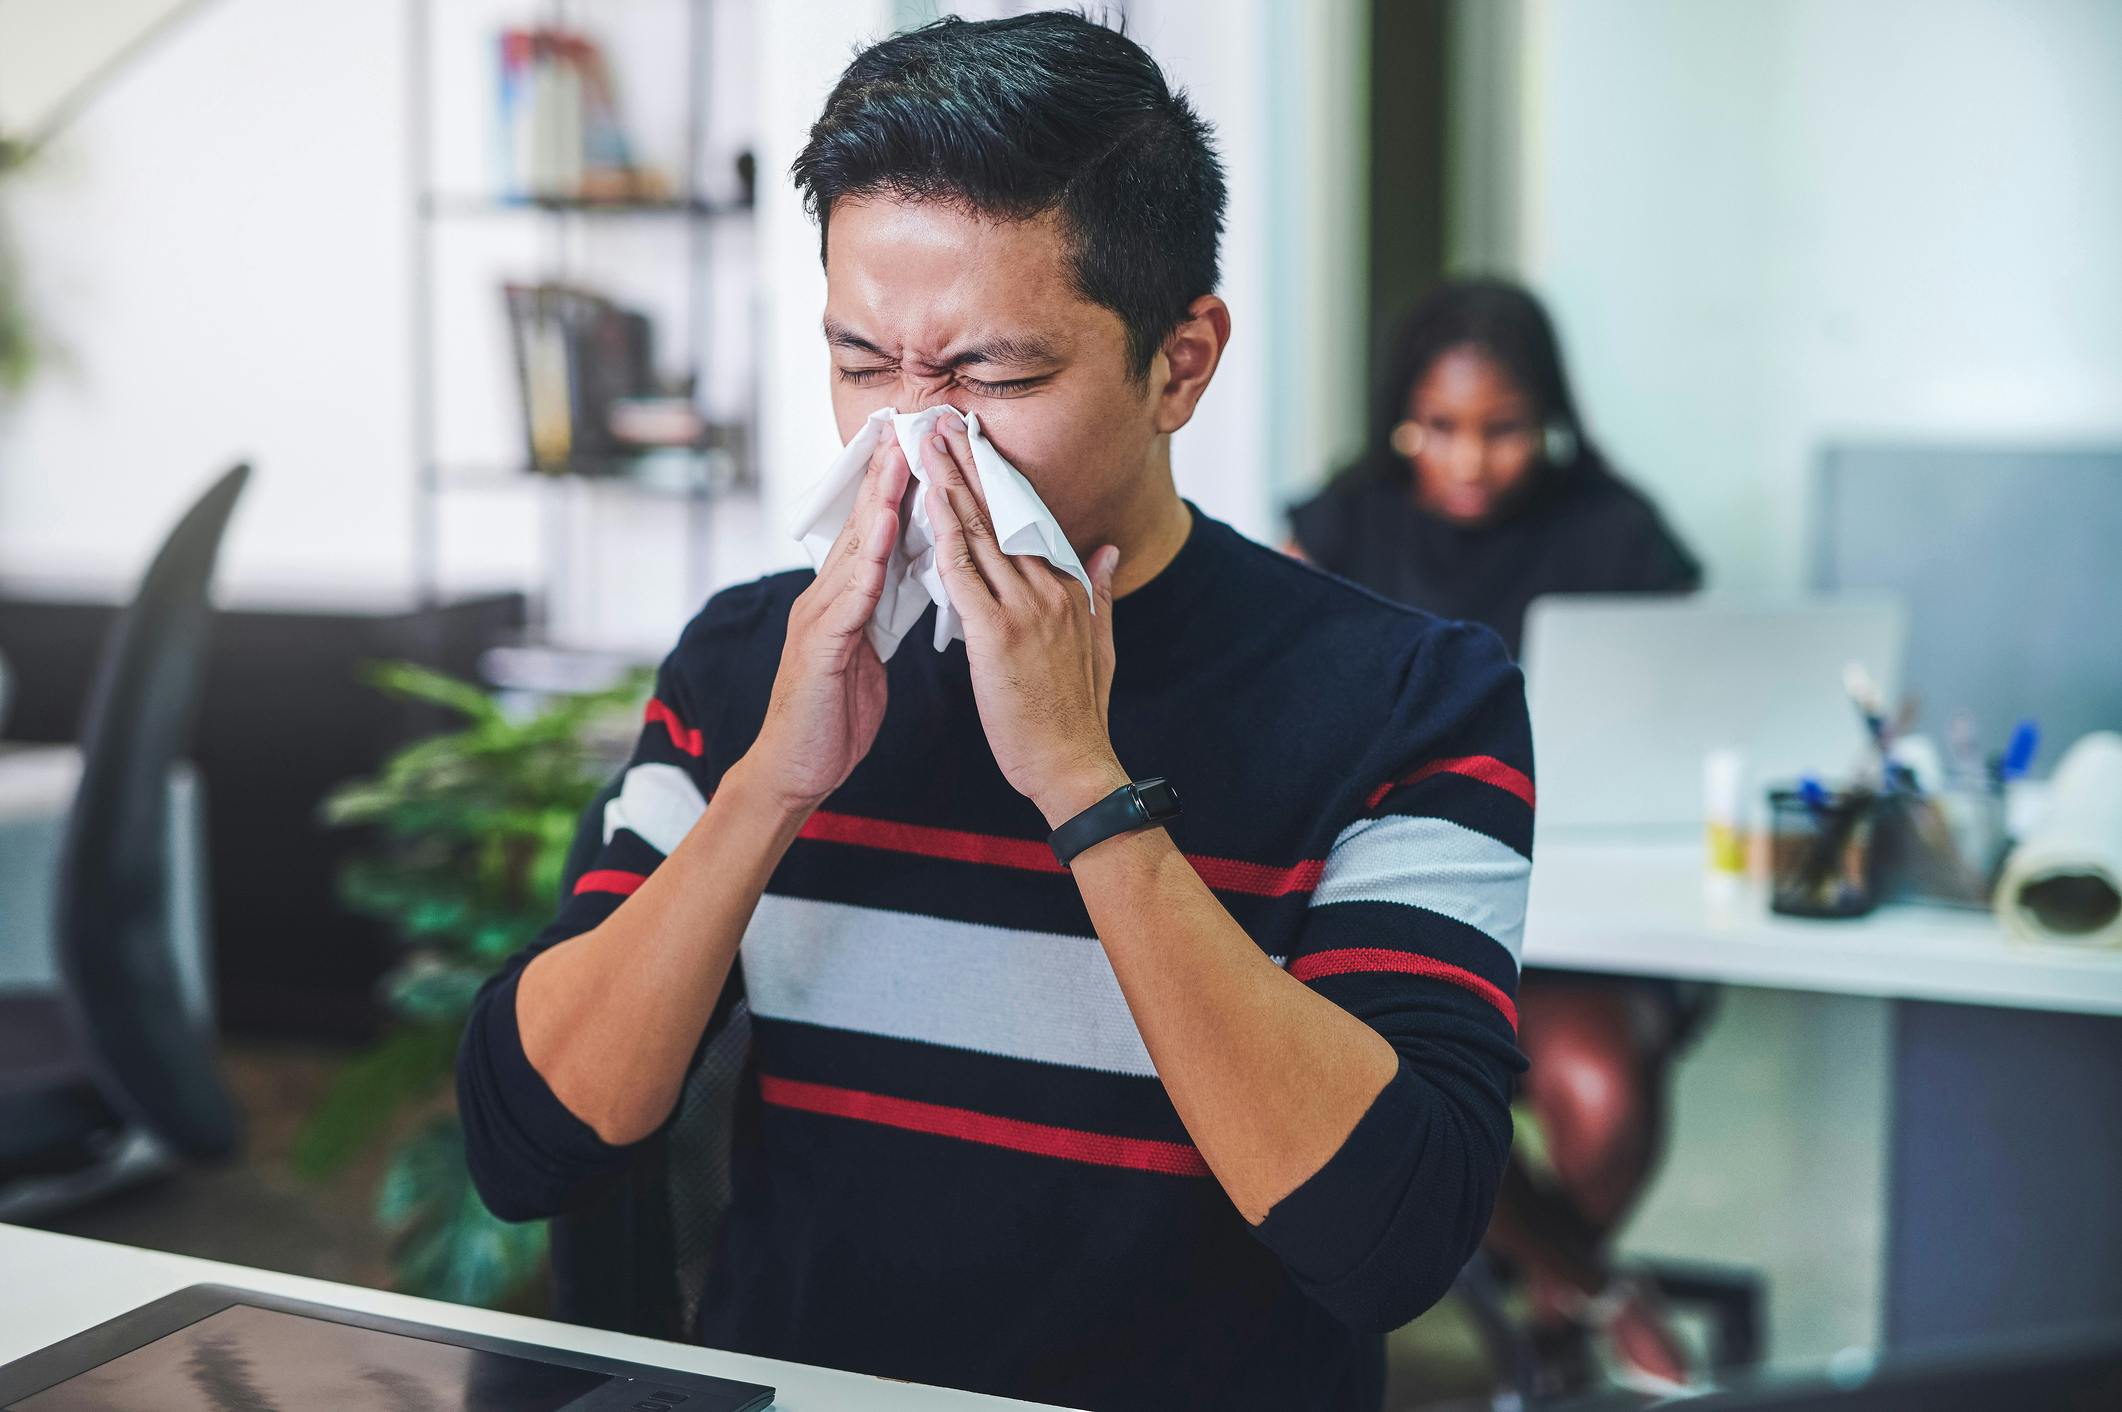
(954, 1161)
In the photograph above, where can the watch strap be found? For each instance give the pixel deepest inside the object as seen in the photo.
(1138, 804)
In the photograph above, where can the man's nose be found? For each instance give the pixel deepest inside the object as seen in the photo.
(921, 393)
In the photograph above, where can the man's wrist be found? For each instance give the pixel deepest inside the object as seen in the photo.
(748, 790)
(1079, 790)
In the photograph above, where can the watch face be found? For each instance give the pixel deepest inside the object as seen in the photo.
(1158, 798)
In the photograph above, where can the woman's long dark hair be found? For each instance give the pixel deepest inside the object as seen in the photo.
(1504, 322)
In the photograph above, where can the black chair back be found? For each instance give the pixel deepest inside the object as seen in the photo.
(154, 1063)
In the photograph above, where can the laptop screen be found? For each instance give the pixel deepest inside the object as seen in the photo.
(247, 1359)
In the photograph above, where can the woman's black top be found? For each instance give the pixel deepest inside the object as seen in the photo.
(1581, 529)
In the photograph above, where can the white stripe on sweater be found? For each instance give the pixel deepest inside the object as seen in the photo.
(967, 985)
(655, 803)
(1434, 864)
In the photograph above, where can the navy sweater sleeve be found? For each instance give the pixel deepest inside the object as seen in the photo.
(530, 1156)
(1414, 928)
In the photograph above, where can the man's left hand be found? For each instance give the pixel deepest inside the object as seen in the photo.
(1042, 661)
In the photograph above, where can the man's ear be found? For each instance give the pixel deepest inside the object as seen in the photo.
(1188, 360)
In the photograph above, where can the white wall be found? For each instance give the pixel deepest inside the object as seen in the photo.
(216, 250)
(220, 251)
(1763, 225)
(1284, 86)
(797, 430)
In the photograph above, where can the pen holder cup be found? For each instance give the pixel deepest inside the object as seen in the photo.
(1941, 848)
(1820, 853)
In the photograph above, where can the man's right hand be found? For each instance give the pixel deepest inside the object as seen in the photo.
(611, 1018)
(829, 694)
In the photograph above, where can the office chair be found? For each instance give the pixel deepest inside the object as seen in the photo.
(110, 1075)
(1728, 1300)
(634, 1259)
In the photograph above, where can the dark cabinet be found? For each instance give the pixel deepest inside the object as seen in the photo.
(283, 720)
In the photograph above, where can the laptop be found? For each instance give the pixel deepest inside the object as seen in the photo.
(1629, 694)
(213, 1348)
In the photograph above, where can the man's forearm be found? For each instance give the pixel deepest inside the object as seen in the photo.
(611, 1018)
(1268, 1076)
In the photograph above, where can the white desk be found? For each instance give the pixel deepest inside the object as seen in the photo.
(1641, 907)
(2003, 1146)
(53, 1285)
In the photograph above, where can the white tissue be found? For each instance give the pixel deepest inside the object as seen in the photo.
(2078, 845)
(1023, 524)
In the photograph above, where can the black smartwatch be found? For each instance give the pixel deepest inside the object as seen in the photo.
(1142, 804)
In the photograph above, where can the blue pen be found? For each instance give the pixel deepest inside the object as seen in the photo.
(1815, 797)
(2019, 754)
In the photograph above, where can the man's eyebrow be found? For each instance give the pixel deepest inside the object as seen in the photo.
(1018, 350)
(1013, 349)
(839, 335)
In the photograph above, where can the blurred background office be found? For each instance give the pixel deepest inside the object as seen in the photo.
(511, 312)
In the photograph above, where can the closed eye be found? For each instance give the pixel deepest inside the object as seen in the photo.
(1007, 388)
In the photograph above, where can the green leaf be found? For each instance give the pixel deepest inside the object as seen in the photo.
(469, 830)
(418, 683)
(446, 1244)
(500, 937)
(369, 1091)
(428, 990)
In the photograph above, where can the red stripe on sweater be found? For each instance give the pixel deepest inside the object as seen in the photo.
(1259, 879)
(685, 738)
(1485, 768)
(609, 880)
(1031, 855)
(1354, 959)
(1034, 856)
(1175, 1159)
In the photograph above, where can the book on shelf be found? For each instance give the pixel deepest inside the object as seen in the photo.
(538, 340)
(585, 370)
(557, 129)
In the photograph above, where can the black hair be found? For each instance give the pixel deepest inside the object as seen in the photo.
(1038, 113)
(1503, 322)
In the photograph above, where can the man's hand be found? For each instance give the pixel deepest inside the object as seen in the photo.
(828, 697)
(1042, 662)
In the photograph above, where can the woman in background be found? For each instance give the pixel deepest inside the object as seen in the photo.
(1480, 490)
(1479, 493)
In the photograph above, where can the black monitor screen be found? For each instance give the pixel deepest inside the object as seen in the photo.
(246, 1359)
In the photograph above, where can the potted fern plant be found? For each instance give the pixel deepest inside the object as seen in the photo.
(472, 829)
